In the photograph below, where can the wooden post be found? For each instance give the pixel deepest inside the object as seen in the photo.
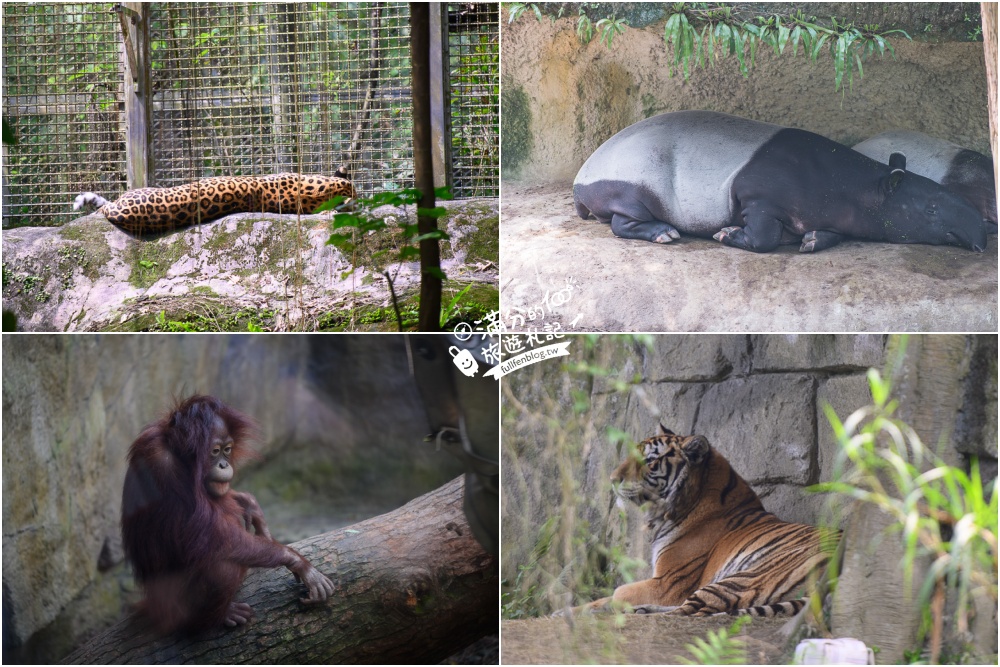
(423, 168)
(138, 95)
(440, 102)
(988, 13)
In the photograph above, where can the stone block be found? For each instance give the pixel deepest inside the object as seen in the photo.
(765, 425)
(844, 394)
(695, 358)
(621, 356)
(826, 352)
(674, 404)
(793, 503)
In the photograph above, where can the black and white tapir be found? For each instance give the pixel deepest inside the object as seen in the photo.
(965, 172)
(754, 185)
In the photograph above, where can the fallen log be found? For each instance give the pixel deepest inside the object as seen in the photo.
(413, 586)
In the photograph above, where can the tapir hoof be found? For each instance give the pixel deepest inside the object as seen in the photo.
(668, 236)
(724, 233)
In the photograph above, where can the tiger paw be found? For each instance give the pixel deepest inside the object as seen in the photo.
(652, 609)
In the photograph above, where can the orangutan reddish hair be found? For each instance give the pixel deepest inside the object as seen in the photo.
(186, 532)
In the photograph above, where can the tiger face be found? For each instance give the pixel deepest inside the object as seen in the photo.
(666, 463)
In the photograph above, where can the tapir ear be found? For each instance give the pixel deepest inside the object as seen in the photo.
(696, 448)
(897, 163)
(665, 431)
(895, 178)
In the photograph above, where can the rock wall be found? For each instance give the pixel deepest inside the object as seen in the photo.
(758, 399)
(88, 275)
(562, 98)
(342, 428)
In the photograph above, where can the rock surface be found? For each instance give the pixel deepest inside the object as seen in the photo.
(699, 285)
(89, 275)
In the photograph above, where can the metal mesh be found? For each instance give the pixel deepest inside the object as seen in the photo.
(238, 89)
(265, 88)
(473, 64)
(62, 95)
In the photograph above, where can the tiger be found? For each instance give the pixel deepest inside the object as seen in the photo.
(715, 549)
(158, 210)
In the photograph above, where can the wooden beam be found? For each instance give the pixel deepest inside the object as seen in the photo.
(440, 133)
(138, 94)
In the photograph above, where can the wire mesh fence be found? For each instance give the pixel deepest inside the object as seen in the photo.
(474, 77)
(63, 93)
(237, 89)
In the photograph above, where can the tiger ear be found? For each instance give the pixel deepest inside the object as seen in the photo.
(665, 431)
(696, 448)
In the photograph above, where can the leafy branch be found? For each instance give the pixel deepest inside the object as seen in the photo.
(362, 221)
(943, 512)
(722, 647)
(705, 34)
(700, 34)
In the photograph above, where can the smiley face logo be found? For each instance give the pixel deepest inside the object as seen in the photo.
(464, 361)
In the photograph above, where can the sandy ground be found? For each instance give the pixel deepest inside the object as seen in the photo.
(647, 639)
(576, 273)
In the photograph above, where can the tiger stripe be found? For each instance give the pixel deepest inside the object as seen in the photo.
(715, 549)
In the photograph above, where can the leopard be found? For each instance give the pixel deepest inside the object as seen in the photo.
(148, 211)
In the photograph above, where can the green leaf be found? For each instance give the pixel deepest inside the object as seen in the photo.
(796, 35)
(331, 204)
(438, 234)
(341, 242)
(450, 310)
(435, 272)
(839, 52)
(879, 389)
(818, 46)
(348, 220)
(435, 212)
(783, 36)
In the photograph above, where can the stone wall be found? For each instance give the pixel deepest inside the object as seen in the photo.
(342, 429)
(562, 98)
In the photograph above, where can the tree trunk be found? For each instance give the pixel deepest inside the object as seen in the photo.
(413, 586)
(989, 15)
(423, 167)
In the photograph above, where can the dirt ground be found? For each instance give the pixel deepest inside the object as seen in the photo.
(598, 282)
(646, 639)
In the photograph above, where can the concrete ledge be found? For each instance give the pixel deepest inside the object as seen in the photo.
(699, 285)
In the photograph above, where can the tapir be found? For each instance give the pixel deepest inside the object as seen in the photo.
(754, 185)
(963, 171)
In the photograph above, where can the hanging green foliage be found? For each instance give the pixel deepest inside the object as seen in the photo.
(704, 34)
(701, 34)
